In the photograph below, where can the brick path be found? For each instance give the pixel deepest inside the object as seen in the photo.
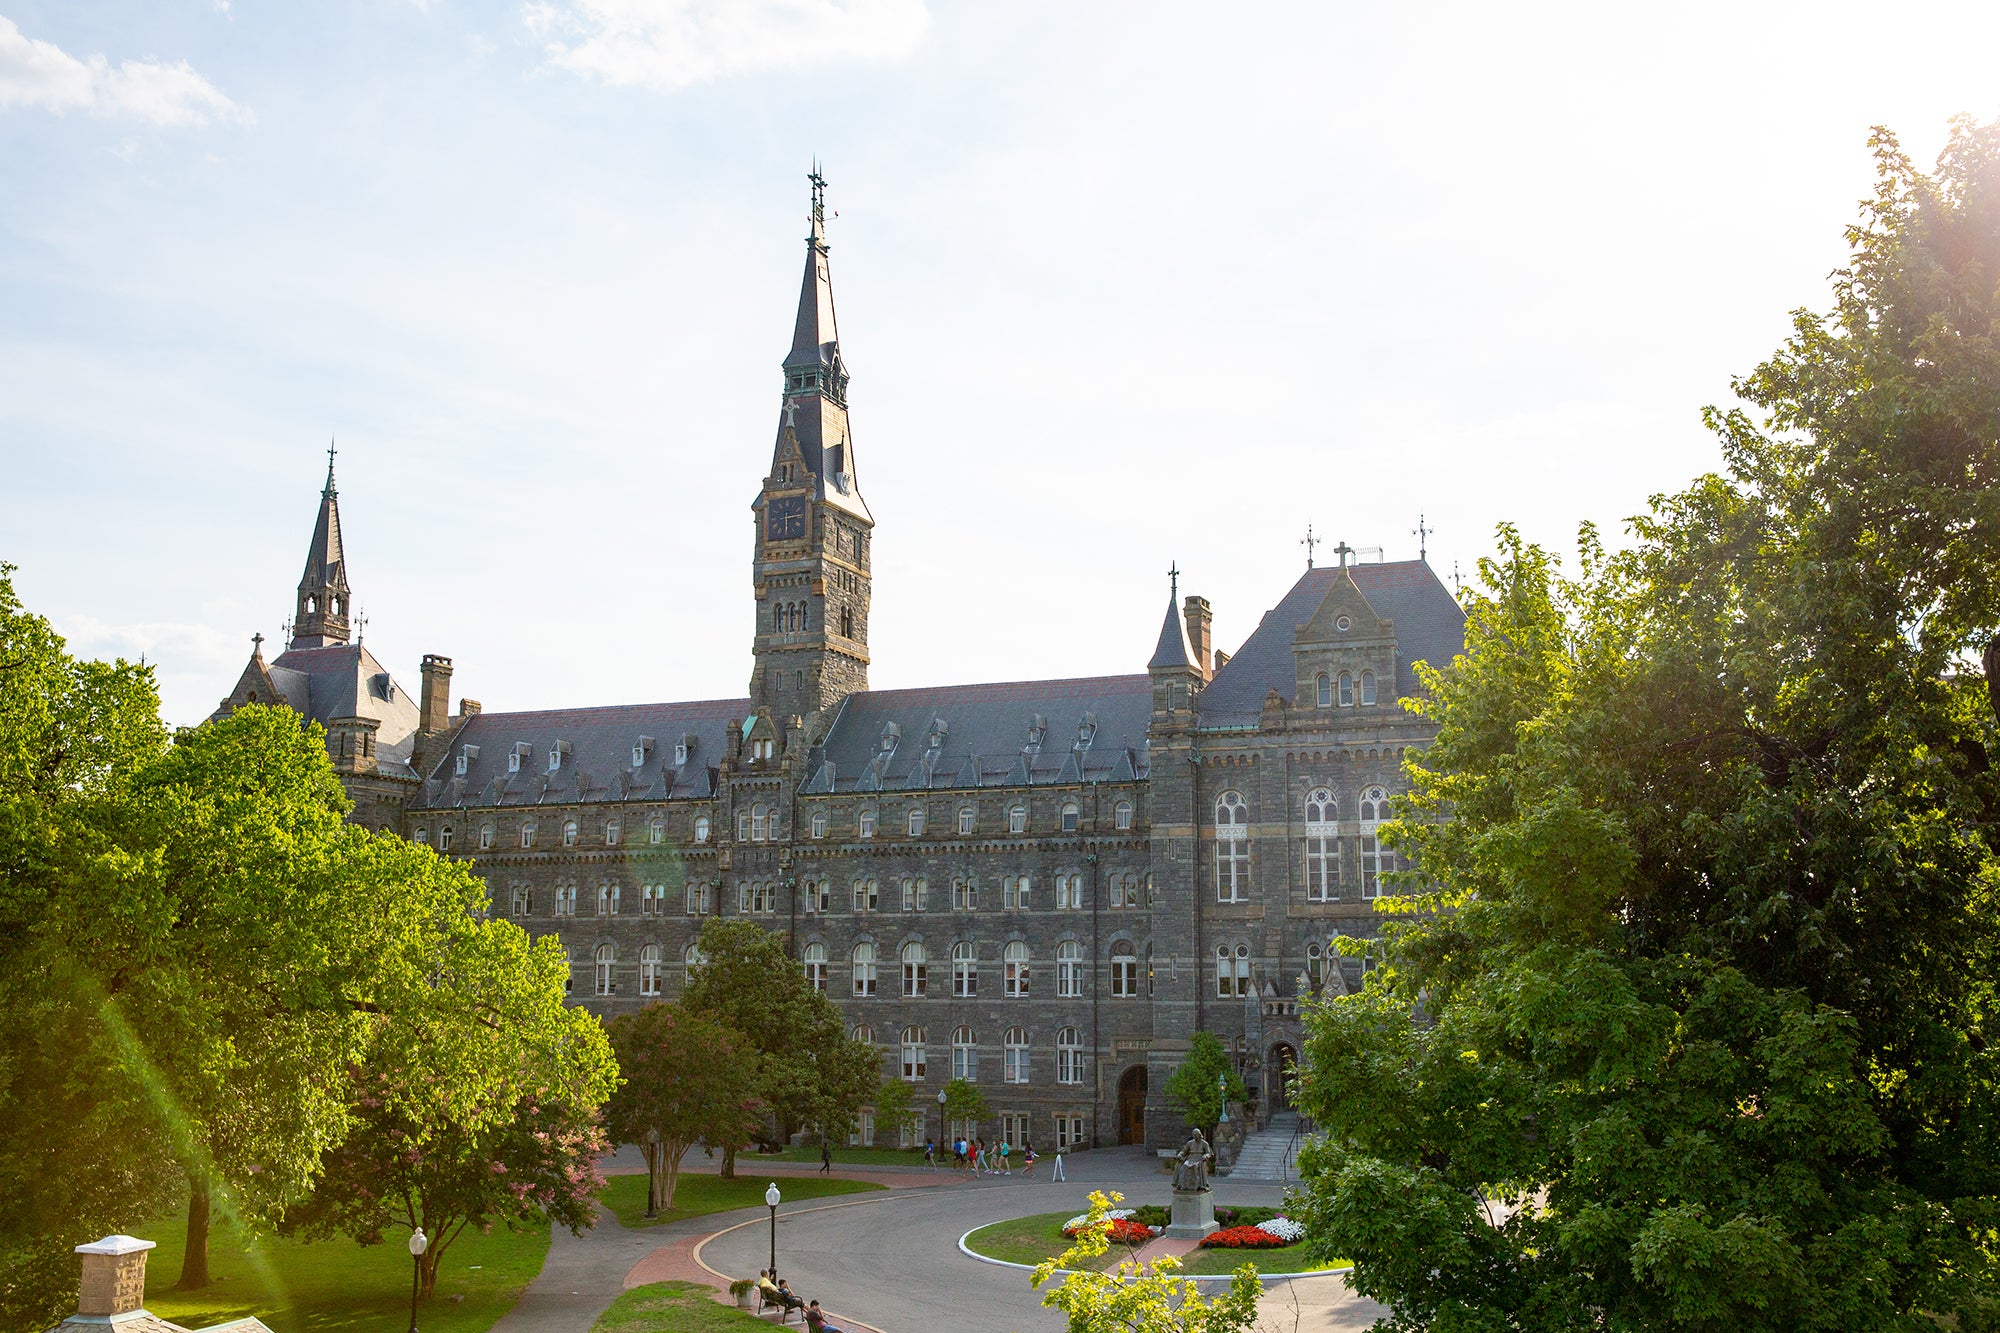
(678, 1262)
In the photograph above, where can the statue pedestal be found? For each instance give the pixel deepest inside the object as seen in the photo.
(1193, 1215)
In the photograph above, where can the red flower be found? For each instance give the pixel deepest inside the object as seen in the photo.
(1241, 1238)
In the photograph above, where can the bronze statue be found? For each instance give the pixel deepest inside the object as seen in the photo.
(1192, 1167)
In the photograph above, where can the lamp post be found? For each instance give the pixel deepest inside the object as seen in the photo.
(1222, 1087)
(419, 1242)
(771, 1197)
(940, 1138)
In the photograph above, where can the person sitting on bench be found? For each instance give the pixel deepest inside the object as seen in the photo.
(816, 1320)
(771, 1294)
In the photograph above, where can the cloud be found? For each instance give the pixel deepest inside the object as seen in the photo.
(41, 74)
(671, 44)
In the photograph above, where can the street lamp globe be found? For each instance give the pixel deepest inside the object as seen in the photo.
(419, 1242)
(771, 1197)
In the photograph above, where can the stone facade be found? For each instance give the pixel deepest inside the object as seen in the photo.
(1043, 885)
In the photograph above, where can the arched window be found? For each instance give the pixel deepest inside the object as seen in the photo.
(524, 900)
(444, 838)
(812, 960)
(1322, 847)
(743, 825)
(701, 825)
(916, 893)
(1069, 892)
(760, 823)
(964, 895)
(864, 1034)
(1016, 892)
(964, 1055)
(1375, 862)
(569, 833)
(1367, 687)
(1232, 970)
(1232, 848)
(1346, 690)
(964, 969)
(423, 837)
(819, 824)
(864, 824)
(1070, 814)
(1124, 972)
(864, 969)
(692, 956)
(913, 822)
(527, 837)
(1016, 1068)
(967, 819)
(485, 837)
(913, 1054)
(846, 622)
(1121, 815)
(606, 955)
(867, 895)
(1014, 970)
(1069, 969)
(1323, 690)
(649, 970)
(915, 972)
(1017, 819)
(656, 832)
(1125, 889)
(1069, 1056)
(610, 833)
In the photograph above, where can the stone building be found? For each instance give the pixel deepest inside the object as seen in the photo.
(1043, 886)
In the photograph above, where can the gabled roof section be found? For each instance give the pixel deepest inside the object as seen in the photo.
(1343, 600)
(1173, 650)
(345, 680)
(596, 750)
(987, 739)
(1430, 627)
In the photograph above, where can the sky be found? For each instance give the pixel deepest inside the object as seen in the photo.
(1121, 286)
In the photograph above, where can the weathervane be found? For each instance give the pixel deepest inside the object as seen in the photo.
(1309, 542)
(819, 194)
(1423, 536)
(360, 625)
(1174, 576)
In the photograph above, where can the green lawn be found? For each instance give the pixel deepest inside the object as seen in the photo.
(337, 1285)
(695, 1195)
(1029, 1240)
(684, 1307)
(851, 1156)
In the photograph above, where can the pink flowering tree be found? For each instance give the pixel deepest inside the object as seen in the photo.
(391, 1172)
(686, 1079)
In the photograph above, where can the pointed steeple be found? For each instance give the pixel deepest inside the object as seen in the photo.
(812, 417)
(1173, 654)
(321, 615)
(815, 354)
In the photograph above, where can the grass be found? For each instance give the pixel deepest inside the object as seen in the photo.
(334, 1286)
(684, 1307)
(1029, 1240)
(695, 1195)
(849, 1156)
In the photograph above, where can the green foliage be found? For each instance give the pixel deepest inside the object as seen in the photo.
(698, 1195)
(1135, 1296)
(1195, 1089)
(895, 1110)
(688, 1079)
(1708, 982)
(810, 1071)
(964, 1101)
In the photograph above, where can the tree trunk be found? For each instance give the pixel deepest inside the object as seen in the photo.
(728, 1171)
(427, 1271)
(194, 1259)
(653, 1179)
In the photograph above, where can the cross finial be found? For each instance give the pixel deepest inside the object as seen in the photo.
(1309, 542)
(1454, 577)
(791, 406)
(819, 196)
(329, 465)
(1343, 551)
(1423, 535)
(360, 624)
(1174, 576)
(257, 642)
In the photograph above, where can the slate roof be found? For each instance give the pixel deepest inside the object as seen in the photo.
(345, 680)
(1430, 627)
(988, 735)
(1174, 649)
(597, 766)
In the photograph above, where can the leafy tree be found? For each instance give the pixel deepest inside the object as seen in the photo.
(810, 1071)
(687, 1079)
(895, 1109)
(1136, 1297)
(964, 1101)
(1709, 971)
(1196, 1088)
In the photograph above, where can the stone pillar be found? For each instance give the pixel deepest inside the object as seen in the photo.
(114, 1276)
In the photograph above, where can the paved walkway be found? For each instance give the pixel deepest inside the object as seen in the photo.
(582, 1275)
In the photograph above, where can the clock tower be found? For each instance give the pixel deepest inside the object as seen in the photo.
(813, 530)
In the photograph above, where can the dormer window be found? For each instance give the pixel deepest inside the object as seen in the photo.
(891, 736)
(681, 749)
(520, 751)
(467, 756)
(556, 756)
(1086, 731)
(640, 749)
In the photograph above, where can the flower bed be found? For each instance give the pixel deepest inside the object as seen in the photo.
(1120, 1230)
(1241, 1238)
(1070, 1227)
(1285, 1229)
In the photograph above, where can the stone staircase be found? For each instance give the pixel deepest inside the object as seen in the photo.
(1270, 1154)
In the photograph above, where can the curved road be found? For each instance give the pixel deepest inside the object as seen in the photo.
(893, 1258)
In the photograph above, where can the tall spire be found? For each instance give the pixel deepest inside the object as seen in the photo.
(320, 617)
(812, 419)
(813, 364)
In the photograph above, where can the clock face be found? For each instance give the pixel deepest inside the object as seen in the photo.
(785, 518)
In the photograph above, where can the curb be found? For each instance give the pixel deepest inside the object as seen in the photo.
(1262, 1277)
(724, 1278)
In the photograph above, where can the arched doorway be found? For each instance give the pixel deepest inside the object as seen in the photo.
(1280, 1067)
(1132, 1105)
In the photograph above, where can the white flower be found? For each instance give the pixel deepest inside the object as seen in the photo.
(1284, 1228)
(1081, 1218)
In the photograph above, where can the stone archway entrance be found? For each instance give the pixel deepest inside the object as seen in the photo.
(1132, 1105)
(1280, 1064)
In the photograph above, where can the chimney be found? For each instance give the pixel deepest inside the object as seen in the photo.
(114, 1277)
(1199, 620)
(434, 705)
(469, 707)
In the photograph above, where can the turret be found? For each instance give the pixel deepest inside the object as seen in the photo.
(321, 615)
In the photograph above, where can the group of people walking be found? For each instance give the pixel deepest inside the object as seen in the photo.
(984, 1159)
